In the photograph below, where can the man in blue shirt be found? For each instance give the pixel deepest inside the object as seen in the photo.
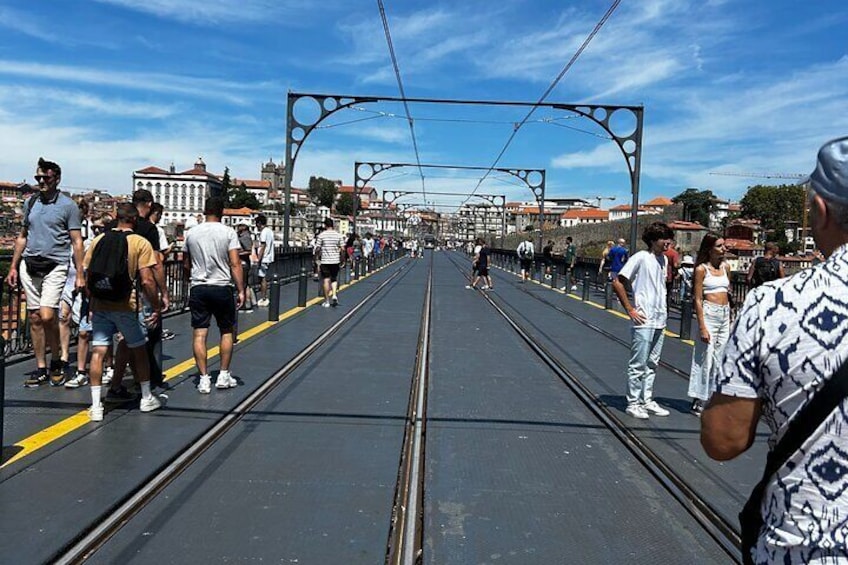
(617, 258)
(51, 229)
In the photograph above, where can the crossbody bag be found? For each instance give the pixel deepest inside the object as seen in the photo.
(800, 428)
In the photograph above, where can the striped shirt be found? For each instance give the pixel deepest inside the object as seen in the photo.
(330, 242)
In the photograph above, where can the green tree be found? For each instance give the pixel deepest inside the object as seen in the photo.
(774, 207)
(322, 191)
(697, 205)
(345, 204)
(241, 198)
(226, 186)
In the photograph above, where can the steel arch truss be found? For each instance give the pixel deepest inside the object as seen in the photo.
(297, 130)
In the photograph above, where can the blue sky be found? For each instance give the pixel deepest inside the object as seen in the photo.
(105, 87)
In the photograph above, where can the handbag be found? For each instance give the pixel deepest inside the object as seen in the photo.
(39, 267)
(800, 428)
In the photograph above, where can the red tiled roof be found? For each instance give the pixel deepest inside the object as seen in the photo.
(251, 183)
(590, 214)
(201, 173)
(741, 244)
(345, 188)
(528, 210)
(685, 226)
(659, 201)
(627, 208)
(153, 171)
(238, 211)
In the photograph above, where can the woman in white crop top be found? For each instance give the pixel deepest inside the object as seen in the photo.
(712, 308)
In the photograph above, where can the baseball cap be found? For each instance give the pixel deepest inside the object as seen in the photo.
(687, 260)
(830, 178)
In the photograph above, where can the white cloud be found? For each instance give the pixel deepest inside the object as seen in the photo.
(84, 103)
(212, 12)
(199, 87)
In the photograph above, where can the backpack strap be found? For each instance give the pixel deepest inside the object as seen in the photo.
(28, 209)
(800, 428)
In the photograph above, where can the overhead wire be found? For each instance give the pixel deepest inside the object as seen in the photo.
(548, 91)
(402, 92)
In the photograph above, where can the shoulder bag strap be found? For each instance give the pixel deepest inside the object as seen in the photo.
(800, 428)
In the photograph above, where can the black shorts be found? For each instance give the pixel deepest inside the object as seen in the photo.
(330, 271)
(483, 271)
(526, 264)
(206, 301)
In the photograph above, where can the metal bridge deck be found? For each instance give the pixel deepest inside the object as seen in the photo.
(516, 469)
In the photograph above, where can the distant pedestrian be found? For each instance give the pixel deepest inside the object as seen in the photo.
(604, 266)
(617, 256)
(481, 265)
(766, 268)
(712, 309)
(526, 252)
(212, 262)
(49, 238)
(247, 270)
(266, 257)
(548, 258)
(687, 276)
(787, 351)
(646, 271)
(330, 248)
(116, 261)
(570, 260)
(673, 270)
(74, 311)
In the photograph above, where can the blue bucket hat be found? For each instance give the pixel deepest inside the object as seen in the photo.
(830, 179)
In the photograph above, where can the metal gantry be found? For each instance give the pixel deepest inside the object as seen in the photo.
(534, 179)
(628, 142)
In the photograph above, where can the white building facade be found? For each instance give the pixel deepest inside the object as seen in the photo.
(182, 194)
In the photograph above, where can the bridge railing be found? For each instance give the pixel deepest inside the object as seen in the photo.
(15, 324)
(597, 281)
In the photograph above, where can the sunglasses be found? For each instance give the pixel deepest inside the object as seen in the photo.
(42, 178)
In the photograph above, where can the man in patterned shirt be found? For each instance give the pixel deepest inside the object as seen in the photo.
(790, 338)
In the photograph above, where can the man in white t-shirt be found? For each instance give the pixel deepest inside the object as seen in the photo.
(526, 252)
(266, 257)
(212, 261)
(329, 247)
(646, 271)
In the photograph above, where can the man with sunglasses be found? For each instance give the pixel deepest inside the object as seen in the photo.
(43, 249)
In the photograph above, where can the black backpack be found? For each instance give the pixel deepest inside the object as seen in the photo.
(765, 270)
(108, 274)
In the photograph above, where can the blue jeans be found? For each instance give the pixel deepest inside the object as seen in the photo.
(645, 350)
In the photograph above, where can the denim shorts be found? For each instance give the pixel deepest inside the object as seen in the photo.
(107, 324)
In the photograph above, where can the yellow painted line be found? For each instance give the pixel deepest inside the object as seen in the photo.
(36, 441)
(48, 435)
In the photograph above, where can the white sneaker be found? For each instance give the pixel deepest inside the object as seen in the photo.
(205, 384)
(573, 288)
(80, 379)
(637, 411)
(95, 413)
(108, 373)
(654, 408)
(468, 286)
(325, 304)
(484, 287)
(225, 380)
(150, 404)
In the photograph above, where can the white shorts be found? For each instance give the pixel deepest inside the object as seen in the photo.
(43, 292)
(263, 269)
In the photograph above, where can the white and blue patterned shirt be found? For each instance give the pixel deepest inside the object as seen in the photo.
(791, 336)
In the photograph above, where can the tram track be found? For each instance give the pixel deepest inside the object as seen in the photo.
(716, 525)
(684, 374)
(98, 533)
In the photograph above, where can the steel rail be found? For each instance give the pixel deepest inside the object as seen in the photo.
(713, 523)
(664, 364)
(405, 537)
(96, 535)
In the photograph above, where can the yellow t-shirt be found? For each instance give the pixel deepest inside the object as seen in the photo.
(140, 255)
